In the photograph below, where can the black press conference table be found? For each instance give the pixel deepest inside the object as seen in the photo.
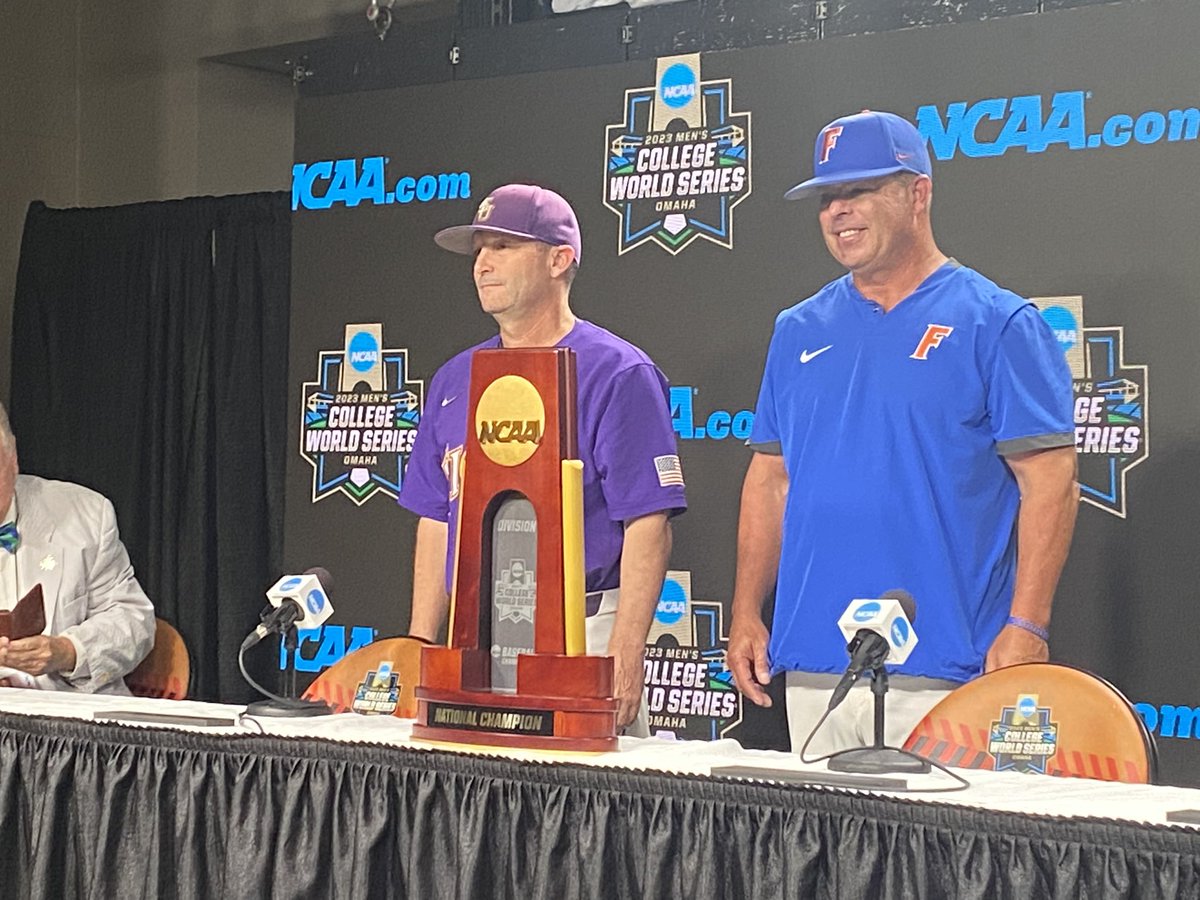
(349, 806)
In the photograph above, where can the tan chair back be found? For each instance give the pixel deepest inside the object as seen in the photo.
(167, 670)
(1096, 732)
(340, 683)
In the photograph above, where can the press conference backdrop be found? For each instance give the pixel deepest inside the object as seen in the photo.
(1065, 151)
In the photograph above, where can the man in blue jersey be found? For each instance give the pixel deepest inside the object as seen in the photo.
(913, 430)
(526, 244)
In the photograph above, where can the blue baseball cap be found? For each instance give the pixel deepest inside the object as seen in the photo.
(865, 145)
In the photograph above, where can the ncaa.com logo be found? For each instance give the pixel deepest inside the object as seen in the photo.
(349, 182)
(714, 426)
(319, 648)
(993, 126)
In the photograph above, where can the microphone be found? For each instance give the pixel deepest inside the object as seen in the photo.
(299, 600)
(878, 631)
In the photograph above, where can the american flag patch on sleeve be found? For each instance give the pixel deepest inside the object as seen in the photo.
(668, 469)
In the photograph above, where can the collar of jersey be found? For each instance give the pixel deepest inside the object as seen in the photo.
(932, 280)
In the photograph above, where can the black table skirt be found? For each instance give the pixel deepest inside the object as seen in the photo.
(107, 811)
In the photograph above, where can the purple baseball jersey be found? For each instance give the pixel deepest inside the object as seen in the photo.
(626, 443)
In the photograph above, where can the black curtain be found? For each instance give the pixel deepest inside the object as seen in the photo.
(150, 363)
(92, 810)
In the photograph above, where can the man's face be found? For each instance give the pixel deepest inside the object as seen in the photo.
(512, 274)
(8, 475)
(869, 226)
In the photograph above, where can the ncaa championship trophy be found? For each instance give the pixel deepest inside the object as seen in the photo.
(519, 559)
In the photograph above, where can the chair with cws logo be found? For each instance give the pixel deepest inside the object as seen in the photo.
(339, 684)
(166, 672)
(1000, 720)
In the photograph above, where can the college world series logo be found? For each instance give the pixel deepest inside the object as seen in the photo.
(1112, 403)
(1023, 738)
(680, 162)
(360, 417)
(689, 689)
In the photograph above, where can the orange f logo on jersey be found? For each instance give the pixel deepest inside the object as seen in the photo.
(934, 335)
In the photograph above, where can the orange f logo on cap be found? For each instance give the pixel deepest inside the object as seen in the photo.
(933, 337)
(829, 140)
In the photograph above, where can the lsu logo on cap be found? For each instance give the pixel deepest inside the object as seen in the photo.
(829, 139)
(485, 209)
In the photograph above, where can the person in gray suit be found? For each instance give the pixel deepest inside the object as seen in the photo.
(99, 621)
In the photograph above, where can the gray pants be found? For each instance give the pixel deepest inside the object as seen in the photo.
(598, 631)
(852, 724)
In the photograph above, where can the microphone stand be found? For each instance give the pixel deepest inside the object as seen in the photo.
(289, 705)
(878, 758)
(291, 642)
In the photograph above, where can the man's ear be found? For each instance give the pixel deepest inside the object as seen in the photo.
(561, 258)
(923, 192)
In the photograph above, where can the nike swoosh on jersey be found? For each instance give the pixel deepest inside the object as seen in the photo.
(446, 401)
(808, 355)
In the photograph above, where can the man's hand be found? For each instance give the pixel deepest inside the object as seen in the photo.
(760, 537)
(1015, 645)
(38, 655)
(747, 658)
(628, 681)
(645, 550)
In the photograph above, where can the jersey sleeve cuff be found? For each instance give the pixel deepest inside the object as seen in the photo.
(430, 511)
(1035, 442)
(672, 507)
(771, 448)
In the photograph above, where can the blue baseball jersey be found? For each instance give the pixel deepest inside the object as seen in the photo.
(893, 428)
(626, 443)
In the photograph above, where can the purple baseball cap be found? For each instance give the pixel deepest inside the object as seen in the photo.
(865, 145)
(522, 210)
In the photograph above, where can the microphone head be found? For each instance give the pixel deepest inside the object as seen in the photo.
(906, 601)
(308, 592)
(889, 617)
(323, 576)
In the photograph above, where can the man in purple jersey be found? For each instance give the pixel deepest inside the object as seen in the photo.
(526, 244)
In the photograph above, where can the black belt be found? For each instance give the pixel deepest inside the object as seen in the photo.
(591, 603)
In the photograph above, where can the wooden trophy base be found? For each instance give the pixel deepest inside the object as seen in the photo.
(561, 702)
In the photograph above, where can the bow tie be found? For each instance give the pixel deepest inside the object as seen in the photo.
(9, 538)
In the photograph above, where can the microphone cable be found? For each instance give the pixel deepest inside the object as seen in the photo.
(962, 783)
(286, 701)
